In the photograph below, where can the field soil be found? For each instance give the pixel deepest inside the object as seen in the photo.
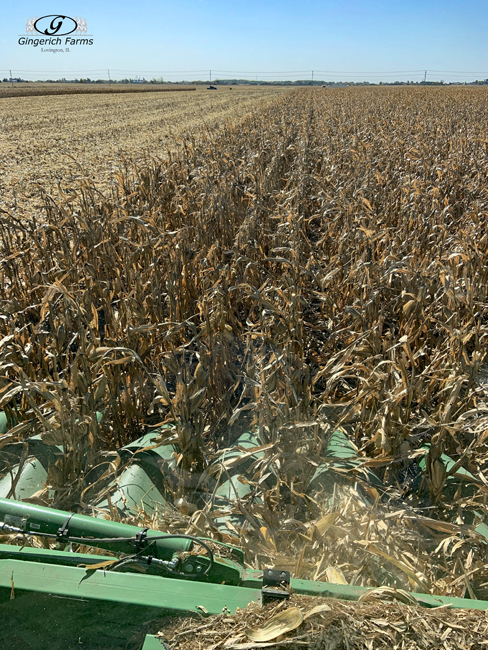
(50, 141)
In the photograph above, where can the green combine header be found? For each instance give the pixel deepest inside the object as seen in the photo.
(52, 597)
(59, 599)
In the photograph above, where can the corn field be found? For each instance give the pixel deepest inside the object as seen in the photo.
(319, 264)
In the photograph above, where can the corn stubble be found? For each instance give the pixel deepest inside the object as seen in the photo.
(321, 264)
(332, 625)
(53, 141)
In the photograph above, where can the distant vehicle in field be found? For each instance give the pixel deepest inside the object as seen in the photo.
(212, 88)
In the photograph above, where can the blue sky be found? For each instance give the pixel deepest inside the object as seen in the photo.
(351, 39)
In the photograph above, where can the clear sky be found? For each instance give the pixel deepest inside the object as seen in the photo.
(270, 39)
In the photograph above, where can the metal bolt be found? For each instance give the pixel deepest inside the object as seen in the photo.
(189, 568)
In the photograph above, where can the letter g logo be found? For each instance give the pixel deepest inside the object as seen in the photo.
(54, 26)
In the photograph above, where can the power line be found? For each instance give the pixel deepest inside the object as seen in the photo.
(371, 72)
(277, 74)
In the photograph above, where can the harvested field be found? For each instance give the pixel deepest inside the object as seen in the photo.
(57, 139)
(40, 89)
(321, 263)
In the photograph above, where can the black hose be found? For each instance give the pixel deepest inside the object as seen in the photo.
(114, 540)
(149, 540)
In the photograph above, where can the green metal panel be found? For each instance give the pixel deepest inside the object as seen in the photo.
(142, 484)
(341, 455)
(134, 491)
(231, 488)
(33, 472)
(153, 643)
(3, 422)
(50, 556)
(482, 529)
(333, 476)
(253, 579)
(228, 489)
(468, 488)
(178, 596)
(149, 440)
(37, 447)
(32, 478)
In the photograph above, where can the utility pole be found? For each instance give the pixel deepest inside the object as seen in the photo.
(210, 76)
(109, 80)
(312, 77)
(425, 76)
(11, 80)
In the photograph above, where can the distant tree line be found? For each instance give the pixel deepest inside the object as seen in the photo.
(250, 82)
